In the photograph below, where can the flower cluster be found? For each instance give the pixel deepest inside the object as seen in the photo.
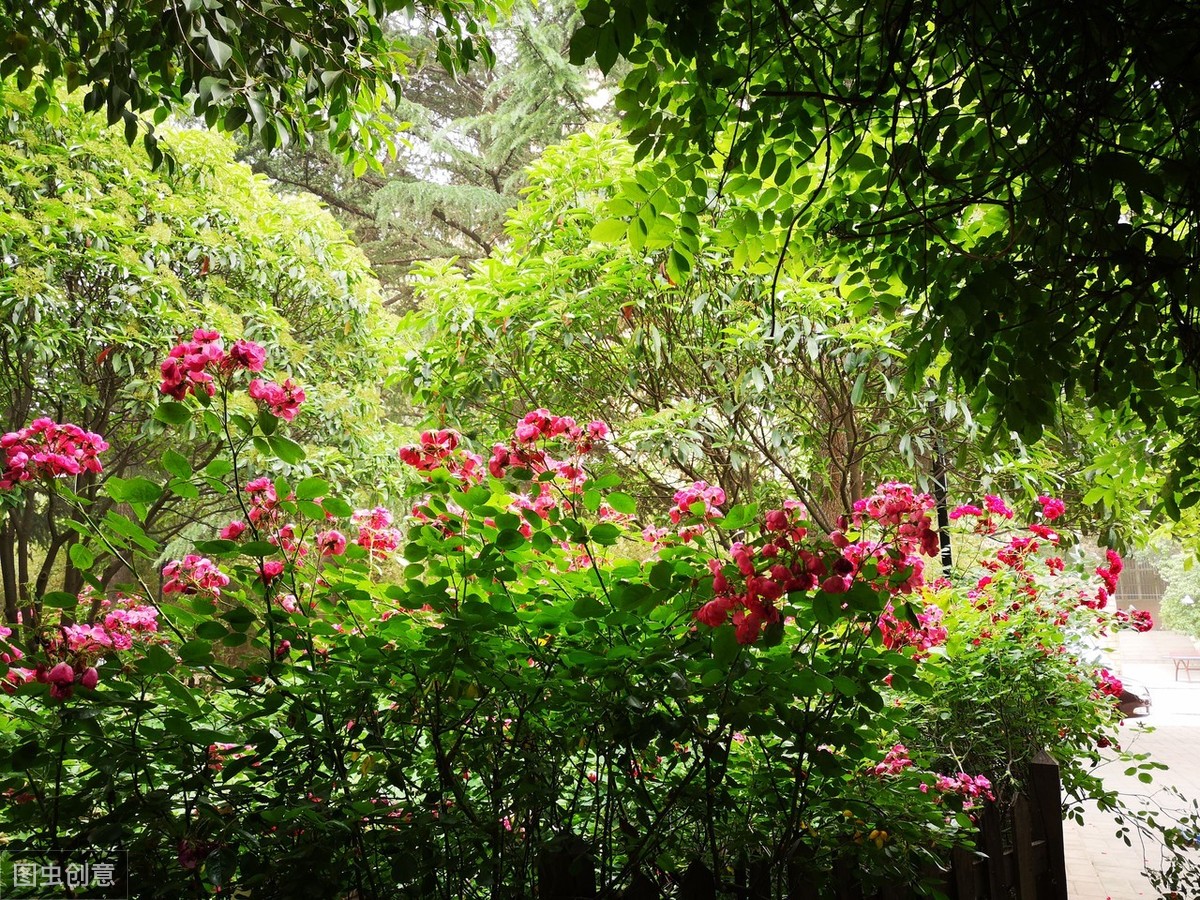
(1108, 684)
(700, 500)
(440, 450)
(196, 366)
(995, 508)
(1109, 575)
(331, 543)
(190, 365)
(264, 501)
(10, 654)
(1139, 620)
(375, 532)
(903, 513)
(1052, 507)
(282, 400)
(121, 624)
(541, 427)
(925, 635)
(47, 449)
(894, 762)
(971, 788)
(219, 752)
(73, 651)
(194, 575)
(877, 545)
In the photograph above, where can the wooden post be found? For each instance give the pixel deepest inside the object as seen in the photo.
(799, 885)
(1046, 798)
(760, 880)
(698, 883)
(1023, 849)
(964, 874)
(566, 871)
(847, 885)
(641, 888)
(992, 832)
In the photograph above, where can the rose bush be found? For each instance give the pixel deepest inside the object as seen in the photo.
(513, 681)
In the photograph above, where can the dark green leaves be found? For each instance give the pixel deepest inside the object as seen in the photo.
(172, 413)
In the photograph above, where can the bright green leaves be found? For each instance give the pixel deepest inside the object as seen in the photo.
(81, 556)
(132, 490)
(176, 464)
(609, 230)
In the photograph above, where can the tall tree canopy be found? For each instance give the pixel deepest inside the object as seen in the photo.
(278, 70)
(1028, 169)
(693, 379)
(104, 263)
(461, 160)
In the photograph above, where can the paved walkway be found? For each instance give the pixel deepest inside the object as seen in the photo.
(1099, 864)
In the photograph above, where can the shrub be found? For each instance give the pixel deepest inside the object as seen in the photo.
(488, 693)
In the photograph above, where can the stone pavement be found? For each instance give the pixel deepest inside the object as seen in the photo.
(1099, 864)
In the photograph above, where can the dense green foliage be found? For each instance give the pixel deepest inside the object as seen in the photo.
(702, 384)
(103, 262)
(575, 664)
(509, 698)
(1026, 169)
(279, 71)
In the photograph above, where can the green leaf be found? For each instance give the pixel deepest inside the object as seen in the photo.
(605, 534)
(81, 556)
(197, 652)
(221, 52)
(725, 645)
(156, 661)
(609, 231)
(218, 468)
(286, 449)
(661, 573)
(132, 490)
(60, 600)
(828, 607)
(172, 413)
(622, 503)
(311, 488)
(509, 539)
(181, 694)
(176, 464)
(606, 48)
(216, 548)
(311, 510)
(588, 607)
(212, 631)
(126, 527)
(336, 506)
(583, 45)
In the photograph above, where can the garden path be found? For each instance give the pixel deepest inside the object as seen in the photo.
(1099, 865)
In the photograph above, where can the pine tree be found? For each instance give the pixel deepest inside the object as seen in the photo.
(459, 167)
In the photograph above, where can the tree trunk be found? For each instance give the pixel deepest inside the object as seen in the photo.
(8, 571)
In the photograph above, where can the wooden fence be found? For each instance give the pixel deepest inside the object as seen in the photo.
(1031, 867)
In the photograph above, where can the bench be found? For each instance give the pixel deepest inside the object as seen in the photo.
(1186, 664)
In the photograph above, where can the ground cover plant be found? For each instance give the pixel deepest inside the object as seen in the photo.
(514, 676)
